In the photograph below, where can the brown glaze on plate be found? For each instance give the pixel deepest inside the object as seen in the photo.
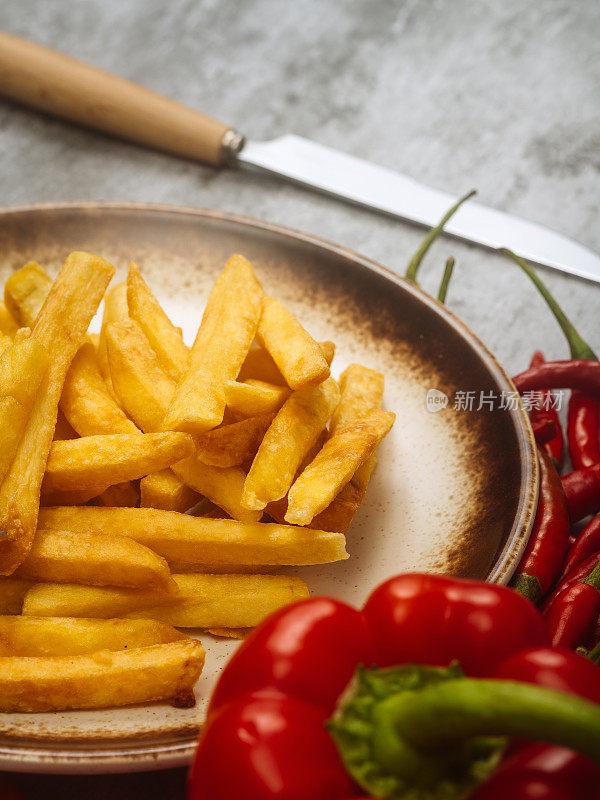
(454, 492)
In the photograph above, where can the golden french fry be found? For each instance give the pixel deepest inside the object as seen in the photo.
(164, 490)
(203, 601)
(141, 675)
(290, 437)
(297, 355)
(361, 392)
(86, 400)
(223, 486)
(165, 338)
(234, 444)
(255, 397)
(76, 497)
(335, 465)
(12, 594)
(96, 462)
(115, 310)
(73, 636)
(25, 293)
(141, 384)
(121, 495)
(145, 391)
(63, 429)
(197, 540)
(230, 633)
(339, 513)
(260, 366)
(60, 327)
(94, 559)
(23, 366)
(223, 340)
(8, 324)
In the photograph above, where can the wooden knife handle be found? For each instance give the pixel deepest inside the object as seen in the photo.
(52, 82)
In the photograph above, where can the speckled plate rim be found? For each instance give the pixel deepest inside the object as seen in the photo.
(112, 756)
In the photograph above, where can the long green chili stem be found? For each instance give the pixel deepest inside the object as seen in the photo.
(448, 270)
(415, 262)
(578, 347)
(594, 577)
(445, 714)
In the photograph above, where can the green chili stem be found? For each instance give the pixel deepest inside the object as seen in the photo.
(415, 262)
(594, 654)
(448, 270)
(594, 577)
(410, 726)
(578, 347)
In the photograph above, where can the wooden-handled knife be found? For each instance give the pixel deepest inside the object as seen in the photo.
(57, 84)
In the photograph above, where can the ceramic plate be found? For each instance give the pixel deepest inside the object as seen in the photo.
(456, 484)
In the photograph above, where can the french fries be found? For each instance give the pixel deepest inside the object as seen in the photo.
(248, 421)
(203, 601)
(297, 355)
(254, 397)
(166, 491)
(25, 293)
(361, 392)
(201, 540)
(226, 332)
(86, 400)
(72, 636)
(60, 328)
(141, 675)
(94, 560)
(234, 444)
(8, 324)
(335, 465)
(259, 365)
(23, 366)
(115, 310)
(289, 438)
(12, 593)
(165, 338)
(94, 463)
(142, 386)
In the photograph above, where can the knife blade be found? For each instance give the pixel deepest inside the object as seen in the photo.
(383, 190)
(55, 83)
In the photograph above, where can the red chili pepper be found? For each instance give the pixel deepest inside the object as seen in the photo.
(544, 431)
(576, 574)
(583, 546)
(539, 772)
(578, 373)
(542, 412)
(265, 740)
(582, 492)
(549, 539)
(573, 614)
(583, 428)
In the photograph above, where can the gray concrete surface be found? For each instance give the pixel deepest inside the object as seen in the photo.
(501, 96)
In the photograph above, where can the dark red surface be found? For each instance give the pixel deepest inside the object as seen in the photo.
(163, 785)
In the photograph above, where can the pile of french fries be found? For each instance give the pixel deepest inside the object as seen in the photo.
(106, 441)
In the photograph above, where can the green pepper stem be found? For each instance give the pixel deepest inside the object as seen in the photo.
(448, 713)
(594, 577)
(415, 262)
(578, 347)
(448, 270)
(594, 654)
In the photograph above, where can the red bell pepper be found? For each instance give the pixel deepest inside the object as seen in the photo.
(265, 737)
(539, 772)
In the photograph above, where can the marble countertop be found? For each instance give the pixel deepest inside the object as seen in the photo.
(503, 97)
